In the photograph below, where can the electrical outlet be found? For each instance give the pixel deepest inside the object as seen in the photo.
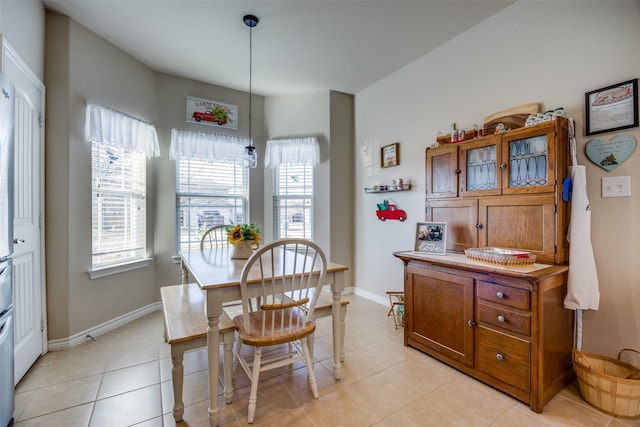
(616, 186)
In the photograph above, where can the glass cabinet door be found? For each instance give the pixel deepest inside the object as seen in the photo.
(529, 159)
(480, 164)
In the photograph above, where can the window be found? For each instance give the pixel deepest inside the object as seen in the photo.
(118, 205)
(293, 201)
(120, 146)
(212, 187)
(293, 161)
(208, 194)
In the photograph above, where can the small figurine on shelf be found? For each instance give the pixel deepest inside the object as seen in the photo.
(500, 128)
(392, 185)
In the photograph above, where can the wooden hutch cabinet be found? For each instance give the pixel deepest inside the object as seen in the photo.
(504, 326)
(503, 190)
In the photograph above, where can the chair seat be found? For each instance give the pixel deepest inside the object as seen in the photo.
(289, 326)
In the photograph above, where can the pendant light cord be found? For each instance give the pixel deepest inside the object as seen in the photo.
(250, 79)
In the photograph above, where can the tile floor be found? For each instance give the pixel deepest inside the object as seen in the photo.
(124, 378)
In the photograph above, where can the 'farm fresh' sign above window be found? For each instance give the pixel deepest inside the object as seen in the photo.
(212, 113)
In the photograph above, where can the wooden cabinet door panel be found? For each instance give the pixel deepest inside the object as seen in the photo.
(461, 216)
(439, 307)
(442, 172)
(525, 223)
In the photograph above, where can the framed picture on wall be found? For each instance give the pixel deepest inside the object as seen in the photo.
(431, 237)
(212, 113)
(390, 155)
(612, 108)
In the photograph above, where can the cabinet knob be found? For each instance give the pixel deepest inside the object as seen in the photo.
(501, 319)
(479, 226)
(503, 166)
(499, 356)
(457, 172)
(471, 323)
(499, 295)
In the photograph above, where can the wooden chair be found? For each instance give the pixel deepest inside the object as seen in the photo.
(185, 328)
(283, 316)
(215, 237)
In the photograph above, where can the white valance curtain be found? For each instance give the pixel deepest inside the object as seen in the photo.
(104, 125)
(293, 151)
(189, 145)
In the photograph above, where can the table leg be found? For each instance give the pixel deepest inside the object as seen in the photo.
(213, 343)
(337, 334)
(227, 363)
(185, 273)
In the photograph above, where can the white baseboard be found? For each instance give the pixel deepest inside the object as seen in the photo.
(371, 296)
(96, 331)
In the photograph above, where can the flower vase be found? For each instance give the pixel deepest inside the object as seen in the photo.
(243, 250)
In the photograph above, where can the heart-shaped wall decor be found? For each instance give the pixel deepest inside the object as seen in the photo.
(610, 154)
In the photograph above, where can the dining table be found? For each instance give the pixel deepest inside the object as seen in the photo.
(218, 275)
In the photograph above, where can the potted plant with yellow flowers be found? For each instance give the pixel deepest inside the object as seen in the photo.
(244, 238)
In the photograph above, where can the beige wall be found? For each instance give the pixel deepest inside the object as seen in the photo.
(329, 117)
(171, 93)
(82, 68)
(545, 52)
(22, 23)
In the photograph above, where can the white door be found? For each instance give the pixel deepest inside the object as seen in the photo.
(28, 220)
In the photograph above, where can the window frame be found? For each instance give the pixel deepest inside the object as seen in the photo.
(133, 172)
(283, 222)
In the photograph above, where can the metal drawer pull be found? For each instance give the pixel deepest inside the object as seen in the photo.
(471, 323)
(500, 295)
(499, 356)
(501, 319)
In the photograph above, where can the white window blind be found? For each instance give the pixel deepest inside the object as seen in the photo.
(120, 145)
(293, 160)
(118, 205)
(293, 201)
(211, 188)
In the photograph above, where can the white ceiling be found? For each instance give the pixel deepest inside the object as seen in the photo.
(298, 46)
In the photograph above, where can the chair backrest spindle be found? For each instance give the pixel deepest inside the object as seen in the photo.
(215, 237)
(286, 276)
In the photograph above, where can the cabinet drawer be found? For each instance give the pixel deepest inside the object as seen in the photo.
(506, 319)
(518, 298)
(505, 358)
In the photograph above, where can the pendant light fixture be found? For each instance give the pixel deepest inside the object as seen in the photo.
(250, 157)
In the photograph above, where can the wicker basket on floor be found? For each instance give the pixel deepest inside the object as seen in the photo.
(609, 384)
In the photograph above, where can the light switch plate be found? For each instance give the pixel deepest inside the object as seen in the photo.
(616, 186)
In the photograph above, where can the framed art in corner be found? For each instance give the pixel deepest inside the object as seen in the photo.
(390, 155)
(612, 108)
(431, 237)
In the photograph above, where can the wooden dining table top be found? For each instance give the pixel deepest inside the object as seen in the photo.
(214, 268)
